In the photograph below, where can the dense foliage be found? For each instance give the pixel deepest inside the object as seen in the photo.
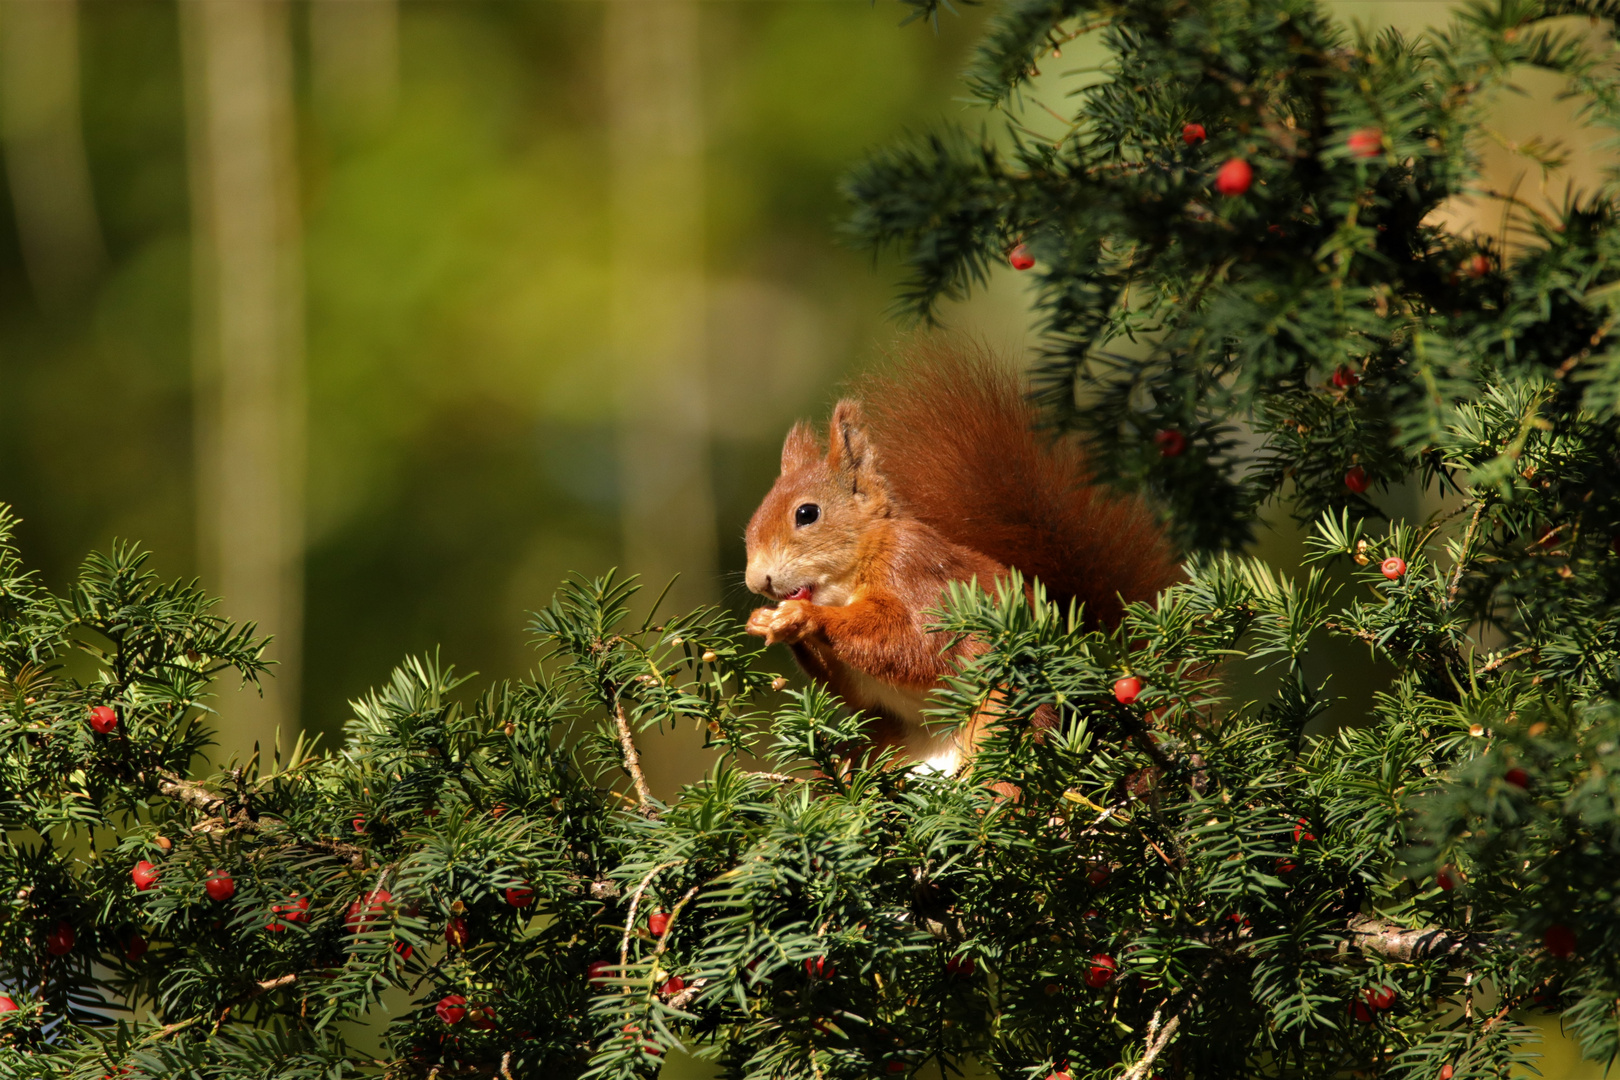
(1173, 303)
(1160, 867)
(1180, 880)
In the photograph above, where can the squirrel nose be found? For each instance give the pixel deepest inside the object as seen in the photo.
(767, 583)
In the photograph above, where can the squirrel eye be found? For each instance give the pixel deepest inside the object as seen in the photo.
(806, 514)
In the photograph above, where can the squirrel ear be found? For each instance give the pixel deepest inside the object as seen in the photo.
(851, 452)
(801, 448)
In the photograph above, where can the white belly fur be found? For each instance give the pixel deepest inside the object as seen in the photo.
(933, 747)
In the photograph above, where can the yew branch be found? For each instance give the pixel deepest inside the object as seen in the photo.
(632, 756)
(1395, 942)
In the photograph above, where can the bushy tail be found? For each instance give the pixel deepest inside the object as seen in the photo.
(956, 440)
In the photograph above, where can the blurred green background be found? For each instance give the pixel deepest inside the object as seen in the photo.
(462, 295)
(383, 316)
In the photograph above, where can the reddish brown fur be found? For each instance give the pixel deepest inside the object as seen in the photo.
(936, 475)
(962, 452)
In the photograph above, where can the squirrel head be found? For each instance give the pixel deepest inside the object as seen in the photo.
(804, 541)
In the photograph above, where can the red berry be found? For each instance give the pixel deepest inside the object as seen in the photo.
(1445, 1072)
(598, 973)
(1234, 177)
(649, 1048)
(1098, 876)
(1101, 972)
(1286, 866)
(1380, 999)
(897, 1066)
(1517, 777)
(1192, 134)
(1559, 939)
(403, 949)
(961, 966)
(360, 823)
(220, 886)
(1344, 378)
(518, 896)
(295, 910)
(1477, 266)
(103, 720)
(674, 985)
(485, 1020)
(59, 942)
(1127, 690)
(1361, 1012)
(145, 875)
(1057, 1076)
(455, 932)
(819, 967)
(134, 948)
(452, 1009)
(1393, 567)
(1447, 877)
(1368, 142)
(1300, 833)
(1172, 443)
(1356, 479)
(6, 1004)
(367, 910)
(1020, 258)
(658, 922)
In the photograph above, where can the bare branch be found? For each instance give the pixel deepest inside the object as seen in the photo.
(632, 757)
(268, 985)
(777, 778)
(635, 902)
(1462, 561)
(1492, 665)
(217, 820)
(1362, 635)
(1158, 1039)
(686, 997)
(1395, 942)
(674, 913)
(190, 793)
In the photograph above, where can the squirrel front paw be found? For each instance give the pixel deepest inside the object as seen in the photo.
(788, 623)
(759, 621)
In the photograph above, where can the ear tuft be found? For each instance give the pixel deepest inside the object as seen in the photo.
(851, 452)
(800, 448)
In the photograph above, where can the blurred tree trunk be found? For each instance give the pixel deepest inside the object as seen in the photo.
(44, 142)
(248, 296)
(354, 63)
(659, 308)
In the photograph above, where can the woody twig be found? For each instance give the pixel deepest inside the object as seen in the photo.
(632, 757)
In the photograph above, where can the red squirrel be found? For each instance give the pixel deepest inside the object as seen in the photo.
(933, 472)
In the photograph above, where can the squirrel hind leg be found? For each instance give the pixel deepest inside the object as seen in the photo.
(981, 725)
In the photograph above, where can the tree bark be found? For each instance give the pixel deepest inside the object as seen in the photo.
(46, 165)
(659, 300)
(248, 346)
(354, 63)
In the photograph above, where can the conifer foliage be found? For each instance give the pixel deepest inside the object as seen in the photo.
(1165, 878)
